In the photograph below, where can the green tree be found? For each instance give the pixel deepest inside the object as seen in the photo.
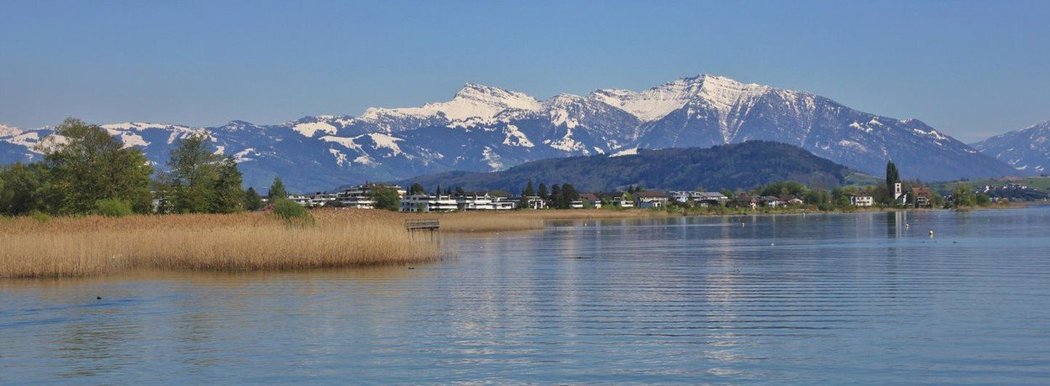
(556, 197)
(252, 200)
(228, 196)
(416, 188)
(543, 191)
(25, 189)
(194, 175)
(529, 190)
(277, 190)
(385, 198)
(91, 165)
(201, 181)
(963, 196)
(892, 177)
(568, 195)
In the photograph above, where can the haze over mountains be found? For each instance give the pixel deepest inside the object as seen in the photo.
(485, 128)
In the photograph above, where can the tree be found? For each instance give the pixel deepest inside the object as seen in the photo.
(385, 198)
(528, 191)
(252, 200)
(892, 176)
(228, 196)
(568, 195)
(25, 189)
(203, 181)
(963, 195)
(543, 191)
(556, 197)
(416, 188)
(277, 190)
(437, 192)
(92, 165)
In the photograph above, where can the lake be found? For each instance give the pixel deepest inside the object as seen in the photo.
(825, 298)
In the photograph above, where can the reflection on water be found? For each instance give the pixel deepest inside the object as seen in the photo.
(788, 298)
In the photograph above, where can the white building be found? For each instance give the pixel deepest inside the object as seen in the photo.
(622, 202)
(532, 202)
(428, 203)
(862, 201)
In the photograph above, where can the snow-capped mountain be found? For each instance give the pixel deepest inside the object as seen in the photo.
(485, 128)
(1027, 150)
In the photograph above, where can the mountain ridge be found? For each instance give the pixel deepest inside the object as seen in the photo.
(735, 166)
(485, 128)
(1027, 150)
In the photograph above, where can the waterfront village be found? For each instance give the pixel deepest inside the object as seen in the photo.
(794, 196)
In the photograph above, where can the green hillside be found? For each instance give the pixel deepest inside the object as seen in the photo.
(738, 166)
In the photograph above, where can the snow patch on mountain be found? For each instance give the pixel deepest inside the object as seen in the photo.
(8, 131)
(340, 158)
(515, 137)
(491, 158)
(386, 141)
(345, 142)
(621, 153)
(308, 129)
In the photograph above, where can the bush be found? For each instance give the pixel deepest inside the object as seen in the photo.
(291, 212)
(112, 207)
(40, 216)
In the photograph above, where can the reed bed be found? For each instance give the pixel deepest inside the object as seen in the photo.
(239, 242)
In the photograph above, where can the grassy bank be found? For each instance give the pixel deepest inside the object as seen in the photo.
(66, 247)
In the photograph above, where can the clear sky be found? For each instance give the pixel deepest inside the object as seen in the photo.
(970, 69)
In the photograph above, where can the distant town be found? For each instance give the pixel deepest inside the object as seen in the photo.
(781, 195)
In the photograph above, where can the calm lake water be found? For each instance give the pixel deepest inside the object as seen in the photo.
(773, 299)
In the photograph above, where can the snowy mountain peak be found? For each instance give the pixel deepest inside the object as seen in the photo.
(8, 131)
(657, 102)
(472, 101)
(139, 126)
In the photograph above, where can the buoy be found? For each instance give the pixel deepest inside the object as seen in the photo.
(931, 232)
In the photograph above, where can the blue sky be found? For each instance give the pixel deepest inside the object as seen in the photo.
(970, 69)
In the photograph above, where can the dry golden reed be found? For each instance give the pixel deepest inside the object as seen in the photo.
(237, 242)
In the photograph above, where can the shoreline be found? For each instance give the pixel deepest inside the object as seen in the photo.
(94, 246)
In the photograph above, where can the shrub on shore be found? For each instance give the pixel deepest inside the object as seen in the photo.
(113, 208)
(291, 212)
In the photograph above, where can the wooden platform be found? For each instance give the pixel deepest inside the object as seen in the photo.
(422, 225)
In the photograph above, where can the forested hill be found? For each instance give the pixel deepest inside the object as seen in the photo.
(745, 165)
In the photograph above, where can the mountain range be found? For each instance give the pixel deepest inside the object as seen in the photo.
(485, 128)
(1027, 150)
(737, 166)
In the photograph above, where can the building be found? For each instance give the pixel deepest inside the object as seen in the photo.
(651, 199)
(531, 202)
(922, 196)
(862, 200)
(771, 201)
(483, 201)
(428, 203)
(899, 197)
(706, 199)
(592, 199)
(622, 202)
